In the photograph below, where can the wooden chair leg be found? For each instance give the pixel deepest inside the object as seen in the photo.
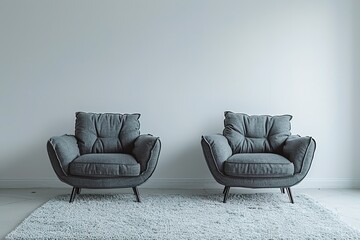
(288, 190)
(224, 190)
(226, 193)
(136, 192)
(73, 194)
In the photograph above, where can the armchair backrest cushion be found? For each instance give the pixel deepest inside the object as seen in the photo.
(106, 132)
(257, 133)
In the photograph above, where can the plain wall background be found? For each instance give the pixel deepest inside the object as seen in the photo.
(180, 64)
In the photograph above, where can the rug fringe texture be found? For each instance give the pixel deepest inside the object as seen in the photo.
(244, 216)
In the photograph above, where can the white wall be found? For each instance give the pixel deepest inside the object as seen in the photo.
(356, 87)
(180, 64)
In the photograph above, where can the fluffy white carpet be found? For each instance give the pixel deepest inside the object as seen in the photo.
(248, 216)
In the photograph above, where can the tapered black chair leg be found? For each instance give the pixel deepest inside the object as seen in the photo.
(73, 194)
(224, 190)
(226, 193)
(78, 190)
(282, 190)
(288, 190)
(136, 192)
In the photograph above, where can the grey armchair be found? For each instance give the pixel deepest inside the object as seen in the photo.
(107, 151)
(258, 152)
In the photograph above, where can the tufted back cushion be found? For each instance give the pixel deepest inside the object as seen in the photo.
(256, 134)
(106, 132)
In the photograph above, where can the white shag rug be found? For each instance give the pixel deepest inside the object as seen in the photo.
(246, 216)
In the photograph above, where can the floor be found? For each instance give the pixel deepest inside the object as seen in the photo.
(16, 204)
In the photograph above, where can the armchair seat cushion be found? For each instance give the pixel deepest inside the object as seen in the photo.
(258, 165)
(105, 165)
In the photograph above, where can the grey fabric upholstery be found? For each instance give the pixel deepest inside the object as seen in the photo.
(258, 165)
(62, 150)
(295, 149)
(74, 167)
(145, 147)
(218, 148)
(107, 132)
(256, 134)
(219, 151)
(105, 165)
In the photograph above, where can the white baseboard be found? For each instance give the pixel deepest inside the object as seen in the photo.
(198, 183)
(183, 183)
(329, 183)
(32, 183)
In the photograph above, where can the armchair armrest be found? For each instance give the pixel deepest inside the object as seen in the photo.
(146, 151)
(300, 151)
(62, 150)
(216, 149)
